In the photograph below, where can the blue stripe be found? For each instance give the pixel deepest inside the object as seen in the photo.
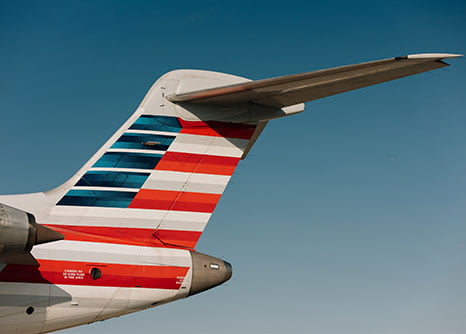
(128, 160)
(137, 140)
(113, 179)
(112, 199)
(157, 123)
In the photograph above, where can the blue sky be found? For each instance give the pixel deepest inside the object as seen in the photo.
(348, 218)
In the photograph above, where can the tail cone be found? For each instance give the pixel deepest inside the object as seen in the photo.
(208, 272)
(45, 234)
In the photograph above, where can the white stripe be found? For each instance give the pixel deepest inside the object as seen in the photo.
(130, 150)
(150, 132)
(127, 213)
(129, 218)
(86, 291)
(131, 170)
(82, 292)
(95, 252)
(220, 146)
(178, 181)
(166, 224)
(105, 188)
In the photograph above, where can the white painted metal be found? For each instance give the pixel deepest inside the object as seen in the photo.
(191, 182)
(95, 252)
(433, 56)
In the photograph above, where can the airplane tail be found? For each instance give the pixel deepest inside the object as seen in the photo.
(158, 179)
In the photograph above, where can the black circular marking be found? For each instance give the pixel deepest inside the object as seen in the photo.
(30, 310)
(95, 273)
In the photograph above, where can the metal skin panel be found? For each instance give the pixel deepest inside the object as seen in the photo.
(130, 230)
(135, 218)
(64, 306)
(190, 182)
(198, 165)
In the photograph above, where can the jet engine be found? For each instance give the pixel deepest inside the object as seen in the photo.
(19, 232)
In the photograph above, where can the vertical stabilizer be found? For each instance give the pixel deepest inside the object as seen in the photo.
(159, 178)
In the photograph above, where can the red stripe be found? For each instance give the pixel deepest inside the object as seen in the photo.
(174, 200)
(78, 273)
(197, 163)
(217, 129)
(129, 236)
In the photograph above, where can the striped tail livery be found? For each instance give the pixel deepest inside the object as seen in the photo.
(120, 236)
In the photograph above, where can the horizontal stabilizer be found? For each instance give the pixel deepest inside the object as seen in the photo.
(298, 88)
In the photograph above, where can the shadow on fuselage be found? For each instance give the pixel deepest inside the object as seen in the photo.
(25, 296)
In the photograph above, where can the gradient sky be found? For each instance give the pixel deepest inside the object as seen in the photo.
(347, 218)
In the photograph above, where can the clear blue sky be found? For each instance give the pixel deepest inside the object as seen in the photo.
(348, 218)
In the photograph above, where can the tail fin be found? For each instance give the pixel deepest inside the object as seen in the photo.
(160, 176)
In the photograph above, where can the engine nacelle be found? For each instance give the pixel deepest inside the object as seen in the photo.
(19, 232)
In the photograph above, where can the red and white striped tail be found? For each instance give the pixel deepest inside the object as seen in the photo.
(158, 179)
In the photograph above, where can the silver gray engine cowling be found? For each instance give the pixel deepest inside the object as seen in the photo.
(19, 232)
